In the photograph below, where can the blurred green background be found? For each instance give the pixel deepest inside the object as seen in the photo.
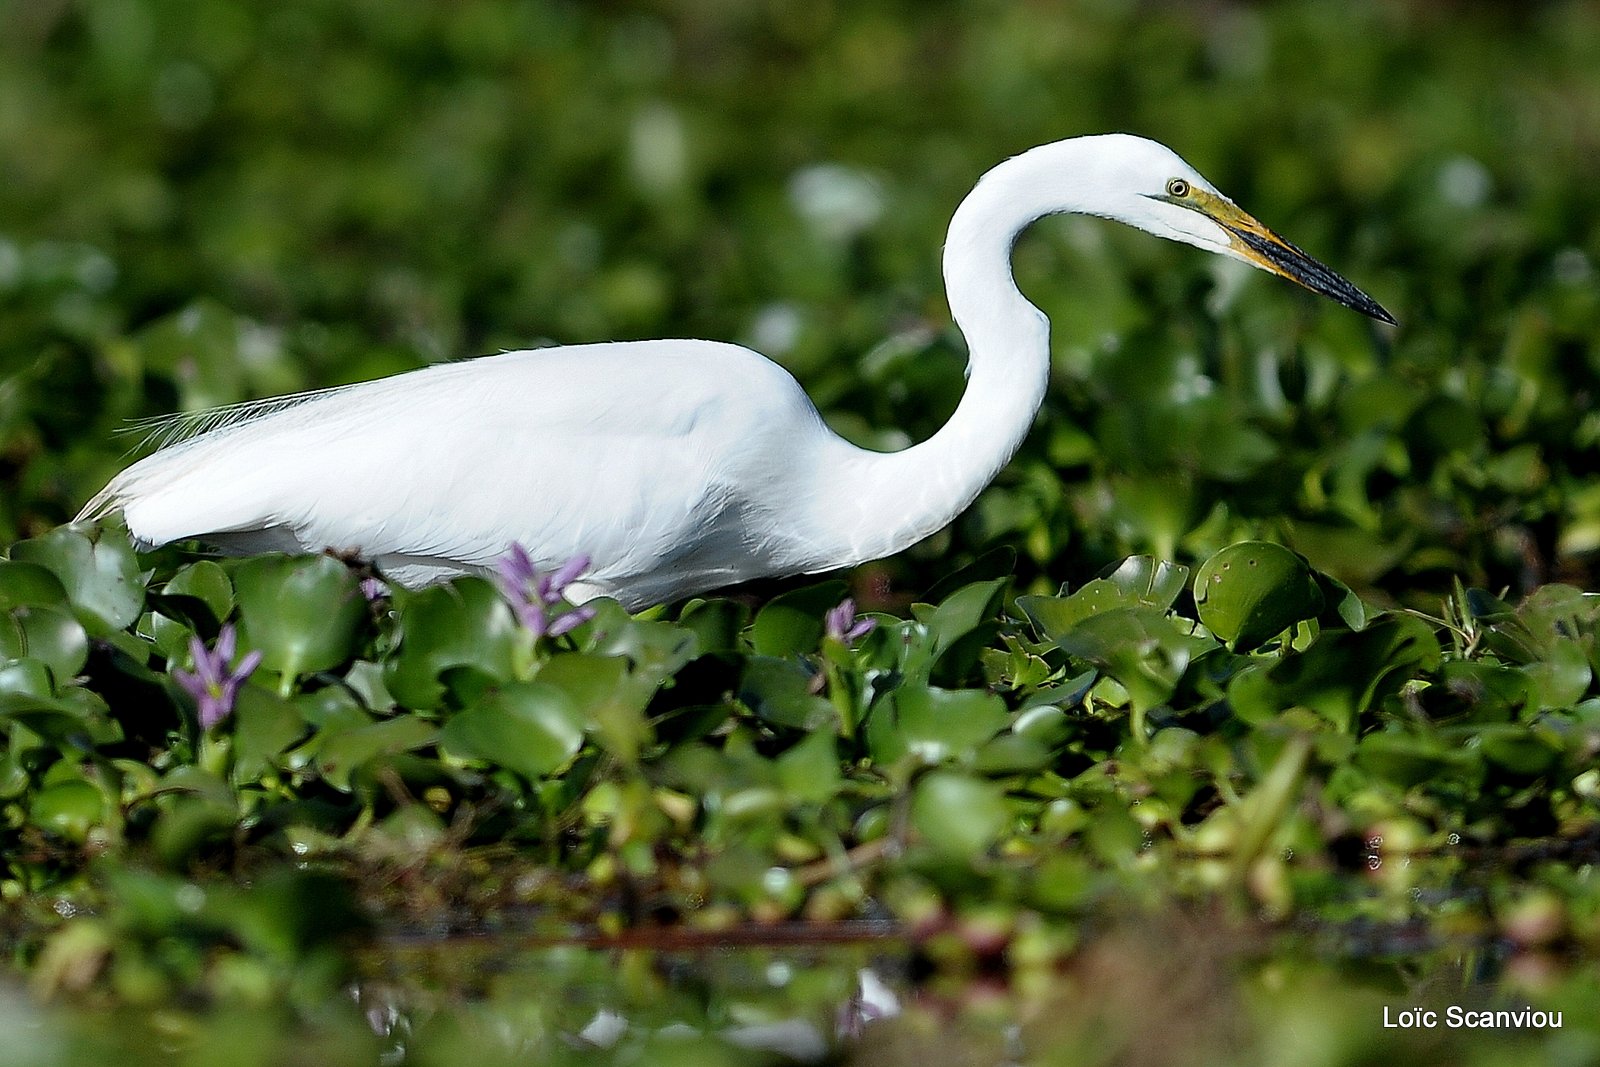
(209, 201)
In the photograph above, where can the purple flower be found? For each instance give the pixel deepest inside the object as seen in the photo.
(841, 623)
(532, 592)
(374, 589)
(212, 683)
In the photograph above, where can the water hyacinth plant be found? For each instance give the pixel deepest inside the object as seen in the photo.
(841, 623)
(533, 593)
(214, 683)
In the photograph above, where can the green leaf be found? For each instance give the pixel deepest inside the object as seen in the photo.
(999, 562)
(961, 612)
(1012, 754)
(716, 624)
(791, 624)
(1139, 647)
(99, 573)
(190, 821)
(464, 623)
(1479, 691)
(69, 809)
(288, 913)
(264, 727)
(529, 727)
(1562, 676)
(73, 720)
(1149, 582)
(198, 348)
(809, 772)
(1047, 724)
(608, 695)
(935, 725)
(303, 613)
(340, 755)
(1342, 674)
(1516, 747)
(780, 692)
(655, 650)
(207, 583)
(25, 678)
(1138, 581)
(958, 815)
(1252, 591)
(49, 635)
(30, 585)
(1406, 760)
(1343, 604)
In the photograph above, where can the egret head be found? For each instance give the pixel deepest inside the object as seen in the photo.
(1148, 186)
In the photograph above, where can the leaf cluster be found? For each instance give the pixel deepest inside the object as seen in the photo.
(1257, 730)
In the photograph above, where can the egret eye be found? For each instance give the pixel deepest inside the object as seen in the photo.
(1178, 187)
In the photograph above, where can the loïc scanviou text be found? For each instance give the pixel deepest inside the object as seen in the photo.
(1456, 1017)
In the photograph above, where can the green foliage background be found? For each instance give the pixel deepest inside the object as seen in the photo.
(1368, 729)
(206, 202)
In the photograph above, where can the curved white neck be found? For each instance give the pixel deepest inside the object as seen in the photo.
(899, 498)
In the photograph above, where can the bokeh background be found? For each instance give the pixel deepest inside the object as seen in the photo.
(204, 202)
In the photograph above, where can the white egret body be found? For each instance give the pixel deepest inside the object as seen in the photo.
(677, 466)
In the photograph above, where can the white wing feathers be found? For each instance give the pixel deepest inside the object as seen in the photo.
(626, 452)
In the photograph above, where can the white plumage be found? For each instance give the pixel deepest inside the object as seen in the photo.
(677, 466)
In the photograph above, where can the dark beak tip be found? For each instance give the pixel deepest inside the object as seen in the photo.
(1302, 268)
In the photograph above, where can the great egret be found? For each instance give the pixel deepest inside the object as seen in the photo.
(676, 466)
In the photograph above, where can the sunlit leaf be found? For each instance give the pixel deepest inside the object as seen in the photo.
(1253, 591)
